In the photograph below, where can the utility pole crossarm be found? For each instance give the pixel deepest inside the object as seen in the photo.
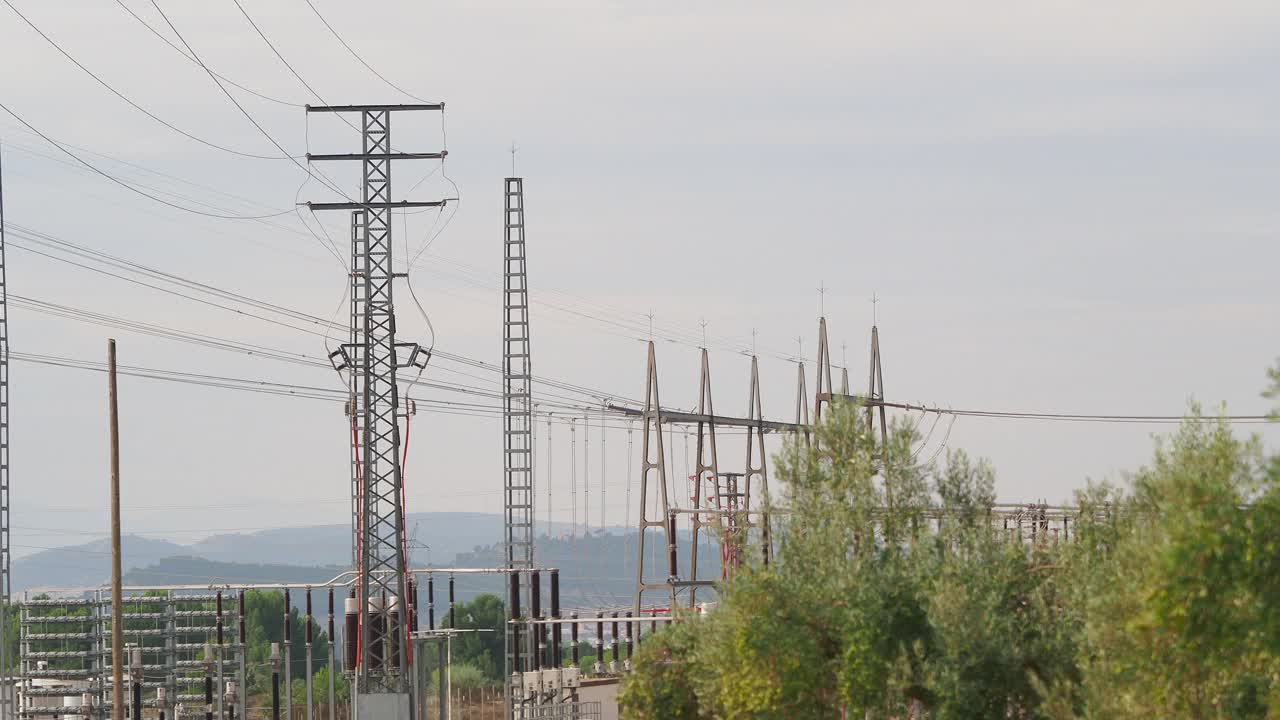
(379, 156)
(373, 108)
(374, 205)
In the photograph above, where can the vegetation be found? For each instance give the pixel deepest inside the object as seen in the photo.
(894, 595)
(264, 611)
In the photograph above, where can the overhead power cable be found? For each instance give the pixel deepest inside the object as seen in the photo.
(257, 350)
(276, 52)
(279, 56)
(356, 55)
(1073, 417)
(184, 54)
(248, 116)
(134, 105)
(129, 186)
(268, 387)
(156, 279)
(29, 150)
(210, 341)
(158, 288)
(151, 191)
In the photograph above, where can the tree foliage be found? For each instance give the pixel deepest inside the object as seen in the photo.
(894, 594)
(481, 646)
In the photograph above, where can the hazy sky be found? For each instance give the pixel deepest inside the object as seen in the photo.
(1062, 206)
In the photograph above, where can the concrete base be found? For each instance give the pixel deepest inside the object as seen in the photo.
(383, 706)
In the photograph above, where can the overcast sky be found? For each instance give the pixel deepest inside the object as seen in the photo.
(1062, 207)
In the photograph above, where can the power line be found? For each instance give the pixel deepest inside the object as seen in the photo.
(280, 57)
(128, 186)
(248, 349)
(273, 388)
(265, 220)
(184, 54)
(1075, 417)
(356, 55)
(143, 168)
(131, 267)
(309, 89)
(165, 290)
(248, 116)
(471, 362)
(130, 101)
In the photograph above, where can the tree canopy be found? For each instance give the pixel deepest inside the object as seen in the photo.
(893, 594)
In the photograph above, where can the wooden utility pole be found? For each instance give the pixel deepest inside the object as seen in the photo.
(117, 627)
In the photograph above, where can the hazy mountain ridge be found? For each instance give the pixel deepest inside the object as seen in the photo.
(597, 570)
(434, 538)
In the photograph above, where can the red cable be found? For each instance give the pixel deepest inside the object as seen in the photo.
(355, 446)
(404, 541)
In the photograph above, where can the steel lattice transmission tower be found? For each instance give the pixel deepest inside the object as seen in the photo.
(7, 698)
(517, 431)
(382, 671)
(517, 393)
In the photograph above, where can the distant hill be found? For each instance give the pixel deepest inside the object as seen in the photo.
(193, 570)
(447, 534)
(437, 538)
(596, 571)
(87, 564)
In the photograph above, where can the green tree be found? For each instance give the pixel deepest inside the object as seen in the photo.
(320, 689)
(481, 645)
(1177, 586)
(1272, 392)
(264, 625)
(664, 690)
(889, 594)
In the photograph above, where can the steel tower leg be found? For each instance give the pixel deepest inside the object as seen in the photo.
(653, 470)
(757, 464)
(823, 393)
(802, 406)
(357, 303)
(707, 473)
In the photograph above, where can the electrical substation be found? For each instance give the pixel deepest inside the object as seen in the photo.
(392, 626)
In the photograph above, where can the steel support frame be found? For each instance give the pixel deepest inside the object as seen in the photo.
(382, 560)
(382, 549)
(824, 392)
(757, 465)
(171, 630)
(8, 699)
(653, 471)
(706, 473)
(803, 426)
(517, 431)
(356, 294)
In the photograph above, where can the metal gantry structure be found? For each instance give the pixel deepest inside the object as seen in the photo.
(190, 639)
(733, 506)
(517, 403)
(177, 643)
(382, 675)
(7, 698)
(728, 505)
